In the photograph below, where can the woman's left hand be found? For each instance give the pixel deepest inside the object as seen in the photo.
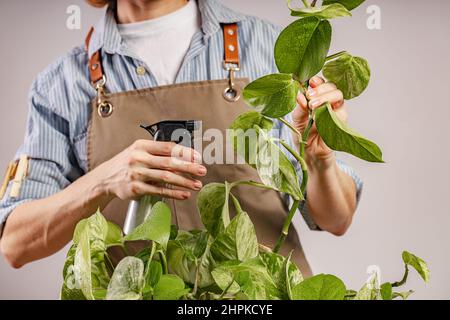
(319, 93)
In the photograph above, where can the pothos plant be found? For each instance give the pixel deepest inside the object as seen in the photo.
(225, 261)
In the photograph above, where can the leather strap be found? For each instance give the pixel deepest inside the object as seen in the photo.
(231, 44)
(231, 49)
(95, 62)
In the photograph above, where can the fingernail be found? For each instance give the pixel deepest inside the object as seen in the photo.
(198, 185)
(311, 93)
(186, 195)
(315, 80)
(202, 170)
(314, 103)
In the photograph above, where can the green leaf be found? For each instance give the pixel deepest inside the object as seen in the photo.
(253, 279)
(127, 280)
(418, 264)
(275, 169)
(350, 74)
(154, 273)
(386, 291)
(320, 287)
(350, 294)
(71, 294)
(339, 137)
(349, 4)
(224, 279)
(283, 272)
(302, 47)
(82, 265)
(114, 235)
(70, 289)
(212, 202)
(169, 287)
(68, 264)
(237, 242)
(244, 136)
(403, 295)
(79, 228)
(189, 257)
(90, 274)
(370, 290)
(98, 227)
(173, 232)
(331, 11)
(273, 95)
(156, 227)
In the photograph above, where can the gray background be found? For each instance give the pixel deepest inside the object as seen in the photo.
(406, 110)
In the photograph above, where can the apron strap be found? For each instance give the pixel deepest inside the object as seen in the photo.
(230, 63)
(231, 45)
(95, 63)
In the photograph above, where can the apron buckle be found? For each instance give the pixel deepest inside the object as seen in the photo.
(231, 92)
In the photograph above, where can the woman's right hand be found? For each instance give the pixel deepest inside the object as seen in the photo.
(147, 168)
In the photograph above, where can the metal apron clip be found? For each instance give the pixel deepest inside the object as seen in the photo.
(231, 92)
(104, 108)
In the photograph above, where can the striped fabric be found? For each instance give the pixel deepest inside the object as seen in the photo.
(59, 107)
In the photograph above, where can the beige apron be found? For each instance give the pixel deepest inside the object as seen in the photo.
(114, 126)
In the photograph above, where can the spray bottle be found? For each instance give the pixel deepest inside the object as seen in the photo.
(178, 131)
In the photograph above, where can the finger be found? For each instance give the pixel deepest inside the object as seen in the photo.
(168, 149)
(342, 114)
(316, 81)
(146, 175)
(332, 97)
(302, 102)
(320, 90)
(174, 164)
(338, 105)
(301, 113)
(145, 188)
(186, 154)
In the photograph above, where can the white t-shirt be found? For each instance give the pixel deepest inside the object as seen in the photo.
(162, 43)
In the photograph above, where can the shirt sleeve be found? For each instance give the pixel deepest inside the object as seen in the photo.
(52, 165)
(286, 135)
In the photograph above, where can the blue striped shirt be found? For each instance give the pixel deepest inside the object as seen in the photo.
(59, 100)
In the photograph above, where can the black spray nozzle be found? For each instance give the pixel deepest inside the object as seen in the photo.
(178, 131)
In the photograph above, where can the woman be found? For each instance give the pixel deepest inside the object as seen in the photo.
(180, 55)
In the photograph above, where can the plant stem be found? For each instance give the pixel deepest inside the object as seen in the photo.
(287, 224)
(290, 126)
(226, 289)
(305, 177)
(403, 281)
(108, 259)
(124, 248)
(302, 164)
(162, 256)
(305, 2)
(306, 133)
(250, 183)
(336, 55)
(313, 4)
(150, 258)
(194, 291)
